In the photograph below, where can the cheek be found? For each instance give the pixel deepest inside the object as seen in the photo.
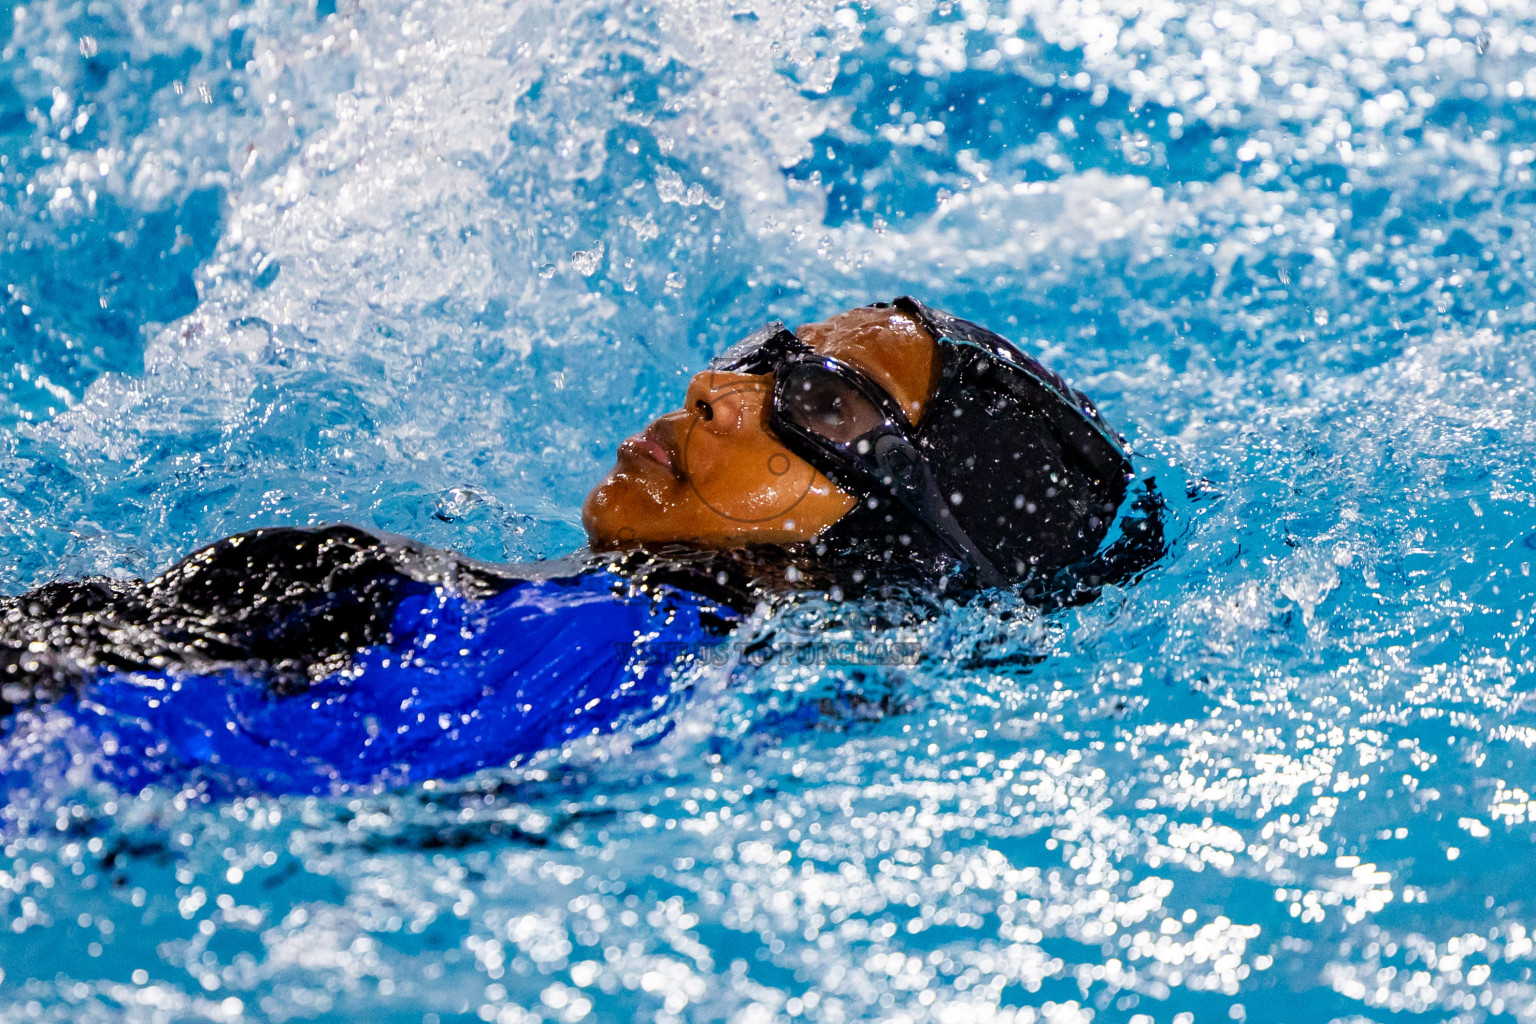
(746, 480)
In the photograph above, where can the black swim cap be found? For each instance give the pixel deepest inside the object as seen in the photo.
(1032, 472)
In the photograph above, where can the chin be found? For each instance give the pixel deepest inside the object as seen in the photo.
(611, 510)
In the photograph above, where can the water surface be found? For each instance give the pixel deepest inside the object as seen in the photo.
(421, 266)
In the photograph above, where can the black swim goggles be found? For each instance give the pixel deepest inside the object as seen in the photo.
(851, 429)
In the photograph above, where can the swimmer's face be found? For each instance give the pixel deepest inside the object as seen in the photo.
(713, 474)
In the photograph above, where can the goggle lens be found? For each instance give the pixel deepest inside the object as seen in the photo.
(828, 406)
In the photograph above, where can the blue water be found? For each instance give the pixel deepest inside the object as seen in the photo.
(422, 266)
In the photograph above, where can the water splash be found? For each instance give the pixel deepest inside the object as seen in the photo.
(347, 260)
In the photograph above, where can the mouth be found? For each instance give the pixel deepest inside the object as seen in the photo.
(654, 444)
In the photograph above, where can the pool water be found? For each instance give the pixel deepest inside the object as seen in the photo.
(421, 266)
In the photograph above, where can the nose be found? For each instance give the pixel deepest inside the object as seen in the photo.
(727, 403)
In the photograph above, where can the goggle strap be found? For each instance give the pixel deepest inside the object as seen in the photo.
(905, 474)
(760, 350)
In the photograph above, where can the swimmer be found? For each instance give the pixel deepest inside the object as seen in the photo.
(889, 449)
